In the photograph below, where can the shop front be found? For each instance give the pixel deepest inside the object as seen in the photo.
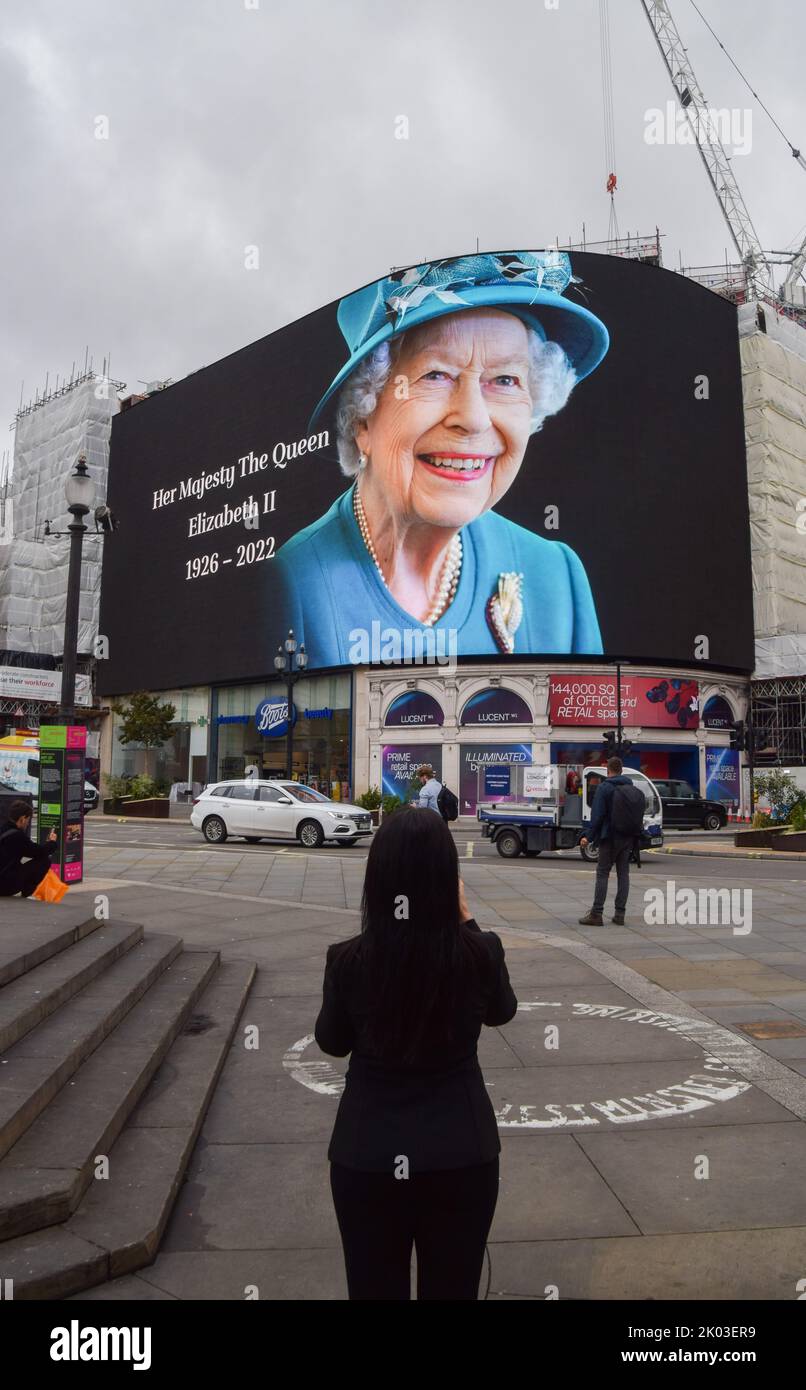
(181, 762)
(476, 733)
(491, 736)
(655, 760)
(492, 770)
(249, 728)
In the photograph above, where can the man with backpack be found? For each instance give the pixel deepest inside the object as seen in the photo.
(617, 823)
(435, 795)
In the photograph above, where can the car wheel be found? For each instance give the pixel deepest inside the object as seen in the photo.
(589, 854)
(214, 830)
(509, 845)
(532, 853)
(713, 821)
(252, 839)
(310, 834)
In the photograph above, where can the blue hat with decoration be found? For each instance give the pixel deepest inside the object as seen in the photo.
(529, 284)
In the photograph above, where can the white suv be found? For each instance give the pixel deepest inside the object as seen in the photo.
(263, 810)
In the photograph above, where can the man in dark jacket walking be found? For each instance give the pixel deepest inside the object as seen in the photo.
(16, 845)
(614, 850)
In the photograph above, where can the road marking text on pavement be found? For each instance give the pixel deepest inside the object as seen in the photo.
(716, 1081)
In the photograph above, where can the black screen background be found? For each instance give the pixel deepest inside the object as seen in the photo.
(650, 483)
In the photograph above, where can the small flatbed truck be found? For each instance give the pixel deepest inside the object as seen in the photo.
(552, 822)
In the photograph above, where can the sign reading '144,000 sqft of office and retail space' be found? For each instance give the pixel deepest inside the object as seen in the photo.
(645, 701)
(550, 491)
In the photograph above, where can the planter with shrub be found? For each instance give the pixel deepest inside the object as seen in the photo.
(783, 827)
(123, 792)
(371, 801)
(149, 806)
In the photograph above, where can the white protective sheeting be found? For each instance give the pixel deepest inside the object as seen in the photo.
(780, 656)
(33, 570)
(774, 384)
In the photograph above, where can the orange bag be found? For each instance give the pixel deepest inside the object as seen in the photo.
(51, 889)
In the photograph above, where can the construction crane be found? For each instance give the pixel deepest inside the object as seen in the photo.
(757, 263)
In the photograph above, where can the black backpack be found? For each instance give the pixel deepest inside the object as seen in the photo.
(627, 812)
(447, 804)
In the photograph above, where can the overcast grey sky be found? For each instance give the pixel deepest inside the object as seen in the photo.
(274, 126)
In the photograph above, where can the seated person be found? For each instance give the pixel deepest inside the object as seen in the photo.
(15, 846)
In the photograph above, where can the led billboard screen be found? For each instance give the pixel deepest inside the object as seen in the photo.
(497, 456)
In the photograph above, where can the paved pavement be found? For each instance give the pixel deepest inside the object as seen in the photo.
(651, 1091)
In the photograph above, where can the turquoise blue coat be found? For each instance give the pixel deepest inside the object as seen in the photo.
(330, 590)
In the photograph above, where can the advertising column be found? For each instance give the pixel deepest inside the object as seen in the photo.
(62, 749)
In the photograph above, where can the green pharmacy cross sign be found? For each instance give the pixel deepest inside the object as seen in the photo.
(62, 752)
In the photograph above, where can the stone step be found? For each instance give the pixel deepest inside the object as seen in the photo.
(31, 932)
(31, 998)
(45, 1175)
(34, 1070)
(118, 1225)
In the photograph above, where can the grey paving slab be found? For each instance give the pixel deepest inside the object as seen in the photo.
(281, 1022)
(796, 1065)
(130, 1288)
(794, 1003)
(785, 1049)
(308, 947)
(534, 972)
(255, 1105)
(740, 1265)
(636, 950)
(606, 1096)
(549, 1191)
(292, 982)
(751, 1013)
(703, 997)
(580, 1039)
(756, 1176)
(267, 1275)
(254, 1197)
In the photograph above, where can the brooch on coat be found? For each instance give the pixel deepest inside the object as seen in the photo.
(504, 611)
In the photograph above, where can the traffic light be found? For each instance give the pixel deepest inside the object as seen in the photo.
(737, 736)
(613, 748)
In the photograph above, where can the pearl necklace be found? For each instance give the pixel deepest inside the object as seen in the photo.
(449, 580)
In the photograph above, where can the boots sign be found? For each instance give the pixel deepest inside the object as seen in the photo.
(271, 716)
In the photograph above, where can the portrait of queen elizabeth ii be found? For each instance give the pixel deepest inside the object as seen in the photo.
(453, 366)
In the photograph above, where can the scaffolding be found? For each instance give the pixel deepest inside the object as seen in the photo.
(630, 247)
(50, 434)
(778, 711)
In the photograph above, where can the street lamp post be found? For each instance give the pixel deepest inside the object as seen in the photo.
(291, 661)
(80, 492)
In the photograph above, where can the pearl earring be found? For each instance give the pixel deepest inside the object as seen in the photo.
(362, 460)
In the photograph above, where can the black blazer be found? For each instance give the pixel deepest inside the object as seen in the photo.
(438, 1113)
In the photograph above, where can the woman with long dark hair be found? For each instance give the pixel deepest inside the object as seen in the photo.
(414, 1151)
